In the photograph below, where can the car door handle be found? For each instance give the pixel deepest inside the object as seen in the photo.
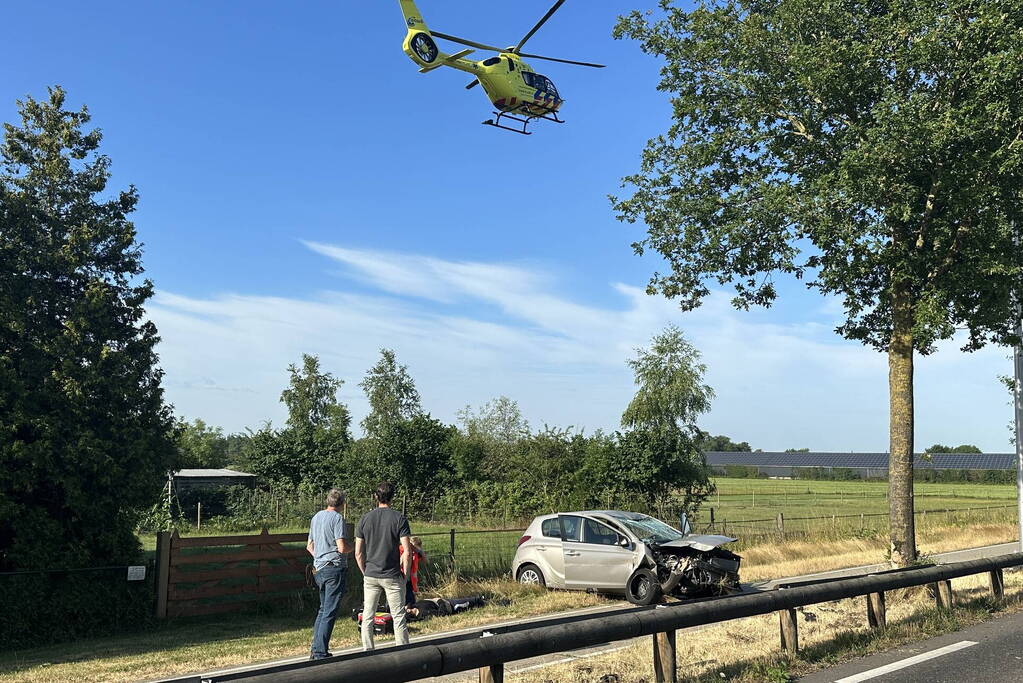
(572, 553)
(542, 550)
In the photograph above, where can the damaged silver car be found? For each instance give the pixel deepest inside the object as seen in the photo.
(624, 553)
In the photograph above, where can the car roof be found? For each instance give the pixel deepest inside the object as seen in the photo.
(618, 514)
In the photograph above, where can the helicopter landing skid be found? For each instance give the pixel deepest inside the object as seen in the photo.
(496, 123)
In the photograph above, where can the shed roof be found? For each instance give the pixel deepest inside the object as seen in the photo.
(210, 474)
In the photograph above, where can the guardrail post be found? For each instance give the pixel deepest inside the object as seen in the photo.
(997, 584)
(163, 548)
(492, 674)
(789, 631)
(665, 667)
(876, 617)
(945, 597)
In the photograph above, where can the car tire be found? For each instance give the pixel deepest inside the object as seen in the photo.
(530, 575)
(643, 588)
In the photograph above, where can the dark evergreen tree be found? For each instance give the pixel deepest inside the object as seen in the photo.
(85, 435)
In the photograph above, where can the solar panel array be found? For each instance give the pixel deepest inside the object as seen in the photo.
(938, 461)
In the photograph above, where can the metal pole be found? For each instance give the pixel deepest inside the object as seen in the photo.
(1017, 390)
(1017, 357)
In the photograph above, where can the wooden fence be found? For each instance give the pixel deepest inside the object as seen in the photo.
(215, 574)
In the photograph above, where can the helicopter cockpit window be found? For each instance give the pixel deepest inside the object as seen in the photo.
(492, 61)
(527, 76)
(548, 85)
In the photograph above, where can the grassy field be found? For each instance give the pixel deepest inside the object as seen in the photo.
(740, 499)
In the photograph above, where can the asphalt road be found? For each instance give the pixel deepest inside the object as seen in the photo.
(988, 652)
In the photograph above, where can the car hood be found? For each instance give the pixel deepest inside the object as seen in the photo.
(703, 542)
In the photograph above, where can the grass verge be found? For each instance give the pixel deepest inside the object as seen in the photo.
(191, 645)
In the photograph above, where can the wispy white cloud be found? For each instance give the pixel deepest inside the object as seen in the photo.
(473, 330)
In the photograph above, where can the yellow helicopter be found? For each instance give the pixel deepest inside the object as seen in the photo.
(517, 92)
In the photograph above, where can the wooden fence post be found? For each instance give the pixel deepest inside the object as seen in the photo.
(263, 579)
(665, 665)
(876, 617)
(945, 598)
(163, 548)
(492, 674)
(198, 515)
(997, 584)
(789, 631)
(781, 523)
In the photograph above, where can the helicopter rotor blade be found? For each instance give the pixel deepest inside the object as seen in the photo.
(473, 84)
(464, 41)
(540, 23)
(563, 61)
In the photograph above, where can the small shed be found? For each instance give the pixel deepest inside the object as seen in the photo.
(192, 480)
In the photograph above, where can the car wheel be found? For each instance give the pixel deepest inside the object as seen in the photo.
(530, 575)
(643, 588)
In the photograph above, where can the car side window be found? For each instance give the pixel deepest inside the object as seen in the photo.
(551, 528)
(571, 527)
(595, 532)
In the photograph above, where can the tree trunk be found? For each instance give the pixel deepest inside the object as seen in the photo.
(900, 463)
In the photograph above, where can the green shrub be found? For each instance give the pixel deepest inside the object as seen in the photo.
(41, 608)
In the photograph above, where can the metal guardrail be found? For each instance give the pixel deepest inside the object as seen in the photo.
(489, 649)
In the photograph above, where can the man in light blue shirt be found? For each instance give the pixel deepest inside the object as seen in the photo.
(328, 546)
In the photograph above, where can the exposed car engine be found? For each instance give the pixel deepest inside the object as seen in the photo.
(694, 567)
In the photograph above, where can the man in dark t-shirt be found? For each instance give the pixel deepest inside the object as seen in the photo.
(379, 534)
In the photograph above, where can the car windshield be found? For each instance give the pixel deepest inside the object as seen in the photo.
(649, 529)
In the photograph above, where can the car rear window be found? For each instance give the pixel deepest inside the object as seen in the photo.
(551, 528)
(571, 526)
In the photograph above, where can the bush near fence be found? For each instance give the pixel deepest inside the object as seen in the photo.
(54, 606)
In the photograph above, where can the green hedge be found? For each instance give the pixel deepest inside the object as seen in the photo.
(42, 608)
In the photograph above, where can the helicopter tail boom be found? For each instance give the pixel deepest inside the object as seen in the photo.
(421, 47)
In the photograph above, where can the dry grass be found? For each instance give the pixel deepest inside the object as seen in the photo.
(203, 645)
(808, 557)
(748, 649)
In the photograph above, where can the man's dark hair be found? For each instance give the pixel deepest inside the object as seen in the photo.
(384, 493)
(335, 498)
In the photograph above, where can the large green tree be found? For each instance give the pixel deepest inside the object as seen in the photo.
(311, 447)
(662, 444)
(391, 393)
(871, 148)
(200, 445)
(85, 436)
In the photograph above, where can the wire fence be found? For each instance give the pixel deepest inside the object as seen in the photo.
(488, 553)
(781, 528)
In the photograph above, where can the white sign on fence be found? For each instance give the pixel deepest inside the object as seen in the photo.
(137, 573)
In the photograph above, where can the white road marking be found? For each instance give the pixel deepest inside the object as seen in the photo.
(896, 666)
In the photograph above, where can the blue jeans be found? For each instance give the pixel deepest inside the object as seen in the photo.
(331, 581)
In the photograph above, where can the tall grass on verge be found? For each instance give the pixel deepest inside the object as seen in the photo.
(793, 558)
(747, 650)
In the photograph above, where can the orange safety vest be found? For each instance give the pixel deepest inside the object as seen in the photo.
(416, 556)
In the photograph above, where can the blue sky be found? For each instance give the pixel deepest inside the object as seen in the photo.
(304, 189)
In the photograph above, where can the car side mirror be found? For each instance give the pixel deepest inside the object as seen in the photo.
(624, 542)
